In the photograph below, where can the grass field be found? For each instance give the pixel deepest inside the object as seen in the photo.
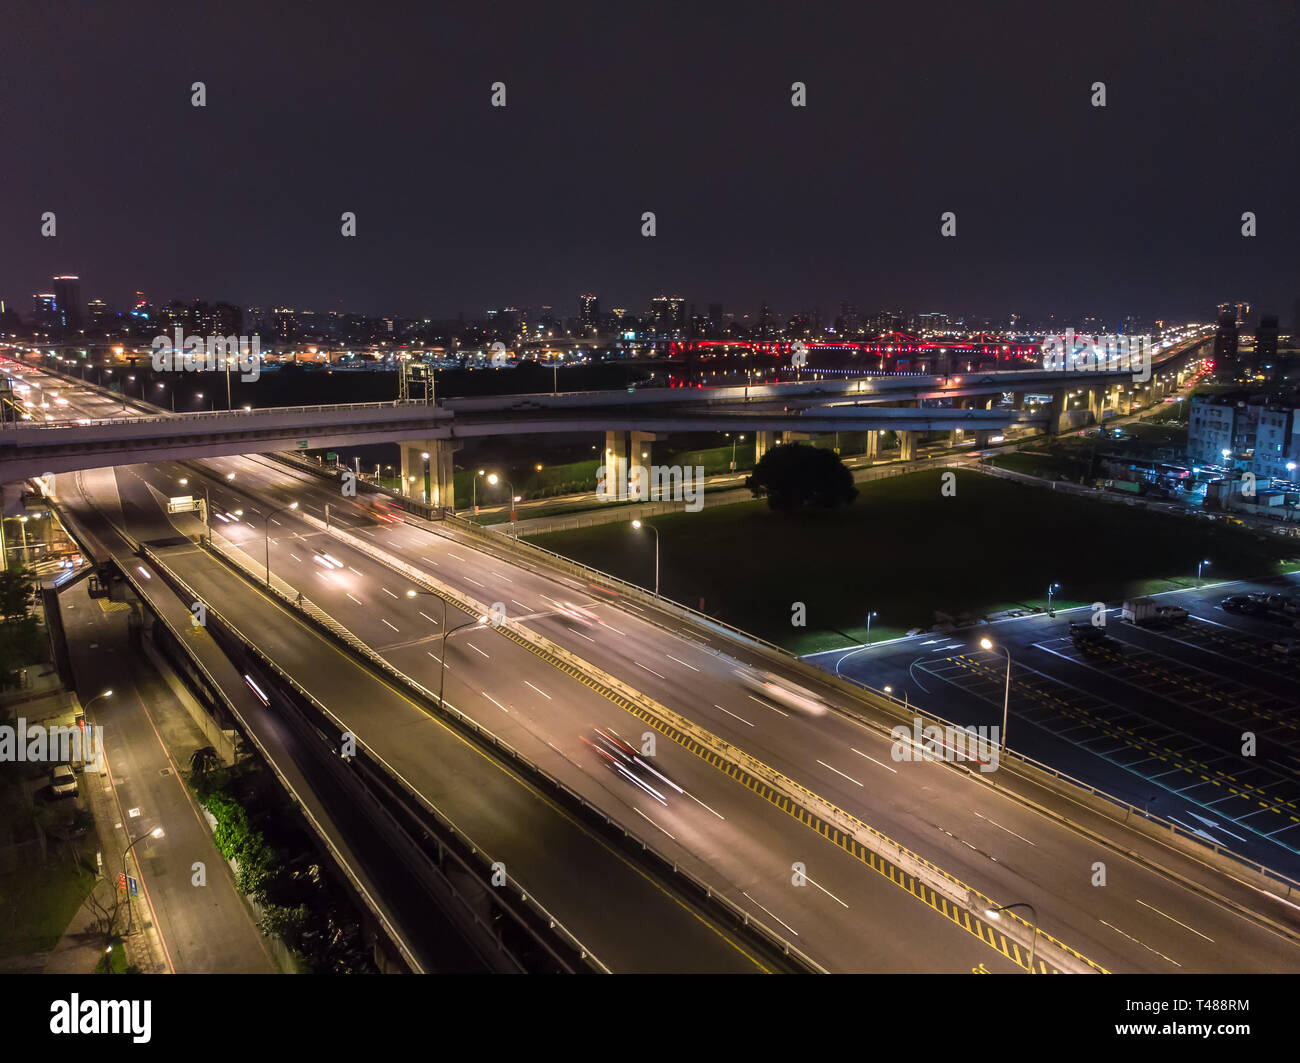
(906, 552)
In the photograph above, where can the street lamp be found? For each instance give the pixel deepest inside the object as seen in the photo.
(474, 490)
(1200, 565)
(996, 913)
(1052, 588)
(157, 832)
(424, 483)
(267, 529)
(869, 616)
(494, 479)
(640, 524)
(1006, 697)
(106, 694)
(442, 656)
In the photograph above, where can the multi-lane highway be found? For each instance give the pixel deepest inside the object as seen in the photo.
(845, 915)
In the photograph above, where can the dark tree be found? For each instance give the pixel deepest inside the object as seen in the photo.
(793, 475)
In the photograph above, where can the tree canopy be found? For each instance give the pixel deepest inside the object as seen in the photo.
(793, 475)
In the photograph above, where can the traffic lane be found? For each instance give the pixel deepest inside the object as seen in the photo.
(544, 848)
(848, 799)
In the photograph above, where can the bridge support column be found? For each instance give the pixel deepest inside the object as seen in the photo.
(1056, 411)
(1017, 400)
(443, 473)
(615, 465)
(981, 439)
(907, 445)
(639, 454)
(437, 488)
(762, 444)
(1096, 403)
(873, 446)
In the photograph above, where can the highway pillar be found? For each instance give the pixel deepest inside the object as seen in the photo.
(443, 472)
(438, 489)
(1056, 411)
(762, 444)
(873, 446)
(639, 454)
(1018, 400)
(907, 445)
(615, 465)
(1096, 404)
(412, 466)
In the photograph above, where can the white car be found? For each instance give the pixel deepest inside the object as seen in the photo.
(63, 781)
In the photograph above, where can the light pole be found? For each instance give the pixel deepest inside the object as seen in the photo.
(474, 490)
(424, 484)
(1200, 565)
(1052, 588)
(86, 707)
(157, 832)
(640, 524)
(996, 913)
(442, 656)
(279, 509)
(1006, 697)
(869, 616)
(494, 479)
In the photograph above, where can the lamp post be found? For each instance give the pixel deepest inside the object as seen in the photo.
(267, 529)
(869, 616)
(1006, 696)
(640, 524)
(474, 490)
(494, 479)
(1199, 566)
(996, 913)
(442, 656)
(424, 484)
(1052, 588)
(86, 707)
(157, 832)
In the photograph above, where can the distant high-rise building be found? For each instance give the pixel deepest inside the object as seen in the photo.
(668, 313)
(45, 310)
(1265, 359)
(1225, 347)
(97, 314)
(1241, 312)
(67, 296)
(588, 310)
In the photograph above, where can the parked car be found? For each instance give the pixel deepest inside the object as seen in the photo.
(1241, 603)
(63, 781)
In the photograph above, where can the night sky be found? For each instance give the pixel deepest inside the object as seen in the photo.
(683, 109)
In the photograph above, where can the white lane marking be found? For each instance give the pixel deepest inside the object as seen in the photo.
(681, 662)
(773, 915)
(730, 713)
(495, 702)
(1142, 943)
(431, 654)
(473, 581)
(499, 576)
(616, 630)
(388, 592)
(274, 521)
(354, 598)
(765, 705)
(475, 648)
(704, 806)
(825, 891)
(428, 617)
(1172, 919)
(390, 625)
(539, 690)
(432, 562)
(582, 636)
(1007, 829)
(296, 558)
(520, 604)
(357, 571)
(650, 821)
(874, 760)
(650, 670)
(457, 556)
(840, 773)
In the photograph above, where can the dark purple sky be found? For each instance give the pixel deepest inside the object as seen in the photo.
(683, 109)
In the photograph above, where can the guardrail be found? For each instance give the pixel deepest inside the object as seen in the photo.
(208, 415)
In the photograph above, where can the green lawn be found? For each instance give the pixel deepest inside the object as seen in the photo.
(905, 551)
(38, 904)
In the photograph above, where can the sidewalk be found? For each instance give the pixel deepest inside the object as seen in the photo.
(149, 738)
